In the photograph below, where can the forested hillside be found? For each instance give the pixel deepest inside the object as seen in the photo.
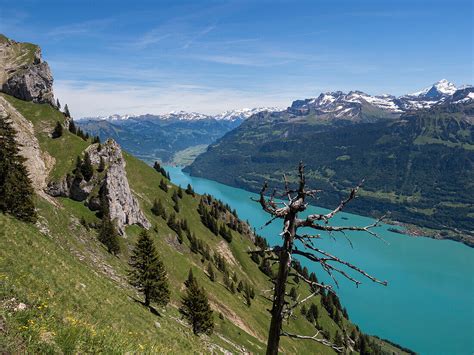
(419, 166)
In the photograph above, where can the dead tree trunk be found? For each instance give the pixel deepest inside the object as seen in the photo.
(282, 308)
(280, 286)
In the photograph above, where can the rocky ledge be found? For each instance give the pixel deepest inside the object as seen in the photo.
(23, 73)
(109, 186)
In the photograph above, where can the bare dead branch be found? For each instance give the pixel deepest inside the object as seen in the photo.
(323, 341)
(342, 204)
(330, 257)
(329, 228)
(311, 283)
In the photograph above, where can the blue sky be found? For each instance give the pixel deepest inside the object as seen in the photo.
(210, 56)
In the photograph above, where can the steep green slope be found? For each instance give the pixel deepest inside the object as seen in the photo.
(76, 297)
(419, 167)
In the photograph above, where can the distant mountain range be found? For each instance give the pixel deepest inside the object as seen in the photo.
(415, 152)
(232, 115)
(179, 136)
(359, 106)
(176, 137)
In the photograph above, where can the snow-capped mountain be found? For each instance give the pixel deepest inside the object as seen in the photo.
(244, 113)
(335, 104)
(437, 90)
(233, 115)
(350, 106)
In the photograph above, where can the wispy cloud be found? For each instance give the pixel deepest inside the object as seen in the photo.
(86, 28)
(198, 35)
(232, 59)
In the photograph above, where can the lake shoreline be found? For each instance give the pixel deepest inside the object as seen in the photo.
(412, 230)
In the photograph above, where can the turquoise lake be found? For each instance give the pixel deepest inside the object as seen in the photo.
(428, 305)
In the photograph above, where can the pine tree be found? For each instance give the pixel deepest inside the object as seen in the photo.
(211, 272)
(58, 130)
(148, 272)
(58, 104)
(163, 185)
(175, 197)
(16, 193)
(247, 295)
(189, 190)
(87, 169)
(158, 209)
(72, 126)
(66, 111)
(176, 207)
(195, 307)
(108, 235)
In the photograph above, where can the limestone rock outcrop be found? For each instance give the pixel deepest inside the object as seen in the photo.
(110, 186)
(23, 73)
(37, 163)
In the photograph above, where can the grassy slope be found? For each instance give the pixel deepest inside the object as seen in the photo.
(77, 294)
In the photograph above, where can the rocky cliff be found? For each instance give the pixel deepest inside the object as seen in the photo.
(37, 163)
(109, 186)
(23, 73)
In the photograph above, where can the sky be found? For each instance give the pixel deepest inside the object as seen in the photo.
(137, 57)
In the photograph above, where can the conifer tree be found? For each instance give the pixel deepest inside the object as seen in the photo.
(58, 130)
(16, 193)
(247, 295)
(108, 235)
(180, 192)
(175, 197)
(87, 169)
(195, 307)
(72, 126)
(176, 207)
(211, 272)
(163, 185)
(189, 190)
(58, 104)
(66, 111)
(158, 209)
(148, 272)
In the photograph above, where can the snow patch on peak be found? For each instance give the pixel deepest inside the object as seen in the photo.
(442, 87)
(244, 113)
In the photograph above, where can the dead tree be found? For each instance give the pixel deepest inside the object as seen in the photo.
(283, 255)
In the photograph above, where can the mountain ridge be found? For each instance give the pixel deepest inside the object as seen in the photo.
(417, 164)
(231, 115)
